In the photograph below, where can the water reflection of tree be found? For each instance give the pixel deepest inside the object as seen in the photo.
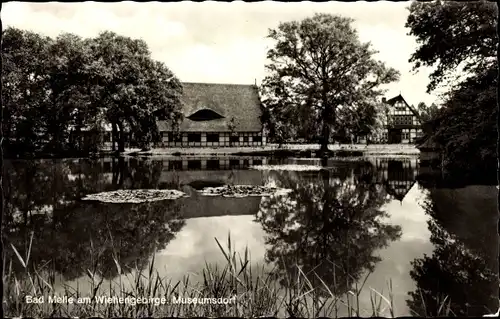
(70, 232)
(325, 222)
(453, 278)
(137, 174)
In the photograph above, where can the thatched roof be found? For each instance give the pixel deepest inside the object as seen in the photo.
(222, 102)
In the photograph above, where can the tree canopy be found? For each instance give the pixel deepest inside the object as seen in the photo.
(317, 66)
(55, 86)
(427, 112)
(453, 35)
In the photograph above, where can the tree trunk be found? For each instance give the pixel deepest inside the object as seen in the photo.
(121, 140)
(114, 135)
(325, 138)
(325, 134)
(328, 117)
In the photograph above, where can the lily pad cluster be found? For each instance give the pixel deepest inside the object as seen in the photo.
(244, 191)
(135, 195)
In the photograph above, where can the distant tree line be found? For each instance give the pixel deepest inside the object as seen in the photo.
(460, 36)
(54, 89)
(427, 112)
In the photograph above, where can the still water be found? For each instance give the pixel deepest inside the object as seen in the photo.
(371, 221)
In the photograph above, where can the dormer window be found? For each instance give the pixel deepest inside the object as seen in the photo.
(205, 115)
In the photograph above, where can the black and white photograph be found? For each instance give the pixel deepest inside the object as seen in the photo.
(250, 159)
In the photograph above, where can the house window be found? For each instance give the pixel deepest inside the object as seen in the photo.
(194, 137)
(172, 137)
(403, 119)
(245, 139)
(212, 137)
(257, 139)
(234, 139)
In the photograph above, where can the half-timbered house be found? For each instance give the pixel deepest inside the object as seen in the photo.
(401, 123)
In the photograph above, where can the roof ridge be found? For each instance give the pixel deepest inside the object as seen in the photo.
(412, 109)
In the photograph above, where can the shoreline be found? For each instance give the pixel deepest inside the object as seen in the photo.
(286, 150)
(289, 150)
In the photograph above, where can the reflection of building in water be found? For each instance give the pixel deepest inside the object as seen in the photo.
(397, 175)
(195, 174)
(183, 163)
(205, 163)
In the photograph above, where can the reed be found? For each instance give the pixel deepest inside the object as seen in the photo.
(257, 291)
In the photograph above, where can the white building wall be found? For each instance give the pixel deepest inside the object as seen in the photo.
(224, 139)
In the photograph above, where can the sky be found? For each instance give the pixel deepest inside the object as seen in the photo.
(218, 42)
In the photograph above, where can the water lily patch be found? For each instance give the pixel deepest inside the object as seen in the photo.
(135, 195)
(244, 191)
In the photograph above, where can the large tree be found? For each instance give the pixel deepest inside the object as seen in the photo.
(460, 36)
(55, 86)
(24, 78)
(320, 65)
(133, 87)
(452, 35)
(69, 90)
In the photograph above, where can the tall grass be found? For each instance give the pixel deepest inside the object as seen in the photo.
(256, 290)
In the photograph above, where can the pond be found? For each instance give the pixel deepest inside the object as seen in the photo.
(370, 223)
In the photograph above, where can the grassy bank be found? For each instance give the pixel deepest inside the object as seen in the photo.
(308, 150)
(256, 292)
